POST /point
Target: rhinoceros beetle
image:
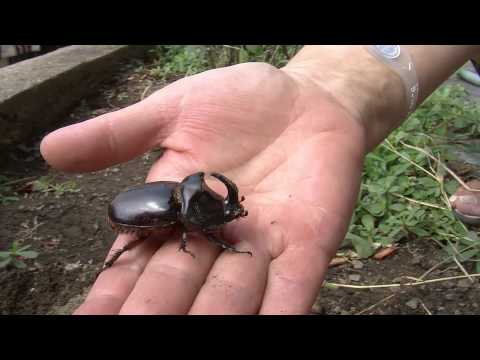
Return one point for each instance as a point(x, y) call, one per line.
point(163, 204)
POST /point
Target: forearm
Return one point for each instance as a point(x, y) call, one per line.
point(435, 63)
point(369, 90)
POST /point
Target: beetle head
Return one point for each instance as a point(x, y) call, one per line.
point(233, 207)
point(202, 207)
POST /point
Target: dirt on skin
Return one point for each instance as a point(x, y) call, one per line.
point(70, 233)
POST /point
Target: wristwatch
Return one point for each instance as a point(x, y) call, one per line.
point(398, 59)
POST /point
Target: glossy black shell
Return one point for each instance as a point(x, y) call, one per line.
point(148, 205)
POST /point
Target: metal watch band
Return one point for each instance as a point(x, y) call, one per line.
point(400, 61)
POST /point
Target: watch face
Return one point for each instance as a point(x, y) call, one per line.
point(389, 51)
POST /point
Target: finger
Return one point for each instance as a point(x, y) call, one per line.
point(468, 204)
point(114, 284)
point(294, 280)
point(172, 278)
point(236, 282)
point(234, 286)
point(296, 274)
point(114, 137)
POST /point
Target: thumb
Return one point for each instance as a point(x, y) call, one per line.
point(115, 137)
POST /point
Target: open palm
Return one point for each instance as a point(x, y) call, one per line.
point(295, 154)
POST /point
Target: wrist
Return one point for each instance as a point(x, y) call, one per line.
point(371, 92)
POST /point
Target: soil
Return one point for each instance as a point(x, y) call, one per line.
point(412, 259)
point(72, 238)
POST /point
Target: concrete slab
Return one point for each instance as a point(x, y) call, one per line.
point(37, 93)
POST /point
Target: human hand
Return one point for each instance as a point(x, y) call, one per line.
point(293, 151)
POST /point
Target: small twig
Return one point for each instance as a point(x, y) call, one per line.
point(462, 268)
point(145, 91)
point(109, 103)
point(265, 55)
point(233, 55)
point(392, 149)
point(18, 181)
point(232, 47)
point(328, 284)
point(374, 305)
point(433, 268)
point(456, 237)
point(419, 202)
point(269, 59)
point(425, 308)
point(447, 169)
point(274, 54)
point(28, 232)
point(430, 165)
point(439, 179)
point(445, 197)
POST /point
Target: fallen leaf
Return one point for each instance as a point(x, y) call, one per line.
point(338, 261)
point(385, 252)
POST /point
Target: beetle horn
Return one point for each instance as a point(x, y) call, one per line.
point(232, 196)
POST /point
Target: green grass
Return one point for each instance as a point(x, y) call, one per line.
point(179, 60)
point(46, 184)
point(6, 193)
point(16, 255)
point(405, 192)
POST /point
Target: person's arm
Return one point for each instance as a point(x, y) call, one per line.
point(370, 90)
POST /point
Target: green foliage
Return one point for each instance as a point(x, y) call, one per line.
point(180, 60)
point(6, 195)
point(399, 200)
point(177, 60)
point(16, 255)
point(45, 184)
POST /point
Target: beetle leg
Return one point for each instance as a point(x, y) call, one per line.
point(183, 244)
point(118, 252)
point(215, 239)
